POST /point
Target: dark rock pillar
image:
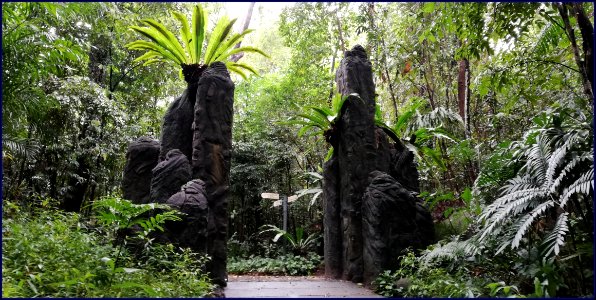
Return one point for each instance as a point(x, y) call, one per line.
point(355, 153)
point(141, 158)
point(211, 158)
point(176, 130)
point(370, 216)
point(333, 234)
point(390, 224)
point(192, 231)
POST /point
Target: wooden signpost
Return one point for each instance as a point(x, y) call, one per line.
point(283, 202)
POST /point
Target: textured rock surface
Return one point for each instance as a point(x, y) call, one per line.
point(362, 238)
point(333, 234)
point(354, 75)
point(356, 153)
point(211, 158)
point(192, 230)
point(393, 219)
point(403, 167)
point(169, 176)
point(176, 130)
point(141, 158)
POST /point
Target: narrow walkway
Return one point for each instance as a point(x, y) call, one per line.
point(293, 287)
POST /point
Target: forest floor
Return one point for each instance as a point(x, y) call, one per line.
point(256, 286)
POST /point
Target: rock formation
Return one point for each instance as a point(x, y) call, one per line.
point(369, 186)
point(192, 231)
point(194, 165)
point(141, 158)
point(169, 176)
point(211, 158)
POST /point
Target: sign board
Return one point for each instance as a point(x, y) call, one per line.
point(290, 199)
point(273, 196)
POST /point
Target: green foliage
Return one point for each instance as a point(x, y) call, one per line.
point(417, 131)
point(414, 279)
point(551, 179)
point(58, 254)
point(164, 46)
point(283, 265)
point(322, 119)
point(120, 214)
point(299, 244)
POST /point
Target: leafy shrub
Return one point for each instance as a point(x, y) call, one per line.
point(299, 244)
point(283, 265)
point(415, 279)
point(58, 254)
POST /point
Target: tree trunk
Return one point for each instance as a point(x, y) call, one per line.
point(586, 32)
point(238, 56)
point(463, 93)
point(373, 26)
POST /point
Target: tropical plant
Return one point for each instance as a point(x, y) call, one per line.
point(416, 130)
point(286, 264)
point(62, 255)
point(164, 46)
point(322, 119)
point(316, 192)
point(300, 245)
point(553, 187)
point(121, 214)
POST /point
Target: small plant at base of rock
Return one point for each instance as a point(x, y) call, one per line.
point(121, 214)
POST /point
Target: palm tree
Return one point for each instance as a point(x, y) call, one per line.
point(163, 46)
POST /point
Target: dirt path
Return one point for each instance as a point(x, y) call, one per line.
point(293, 287)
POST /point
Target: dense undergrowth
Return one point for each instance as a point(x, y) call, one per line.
point(295, 256)
point(49, 253)
point(282, 265)
point(534, 240)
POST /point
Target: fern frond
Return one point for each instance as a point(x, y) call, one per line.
point(583, 185)
point(584, 158)
point(524, 223)
point(556, 238)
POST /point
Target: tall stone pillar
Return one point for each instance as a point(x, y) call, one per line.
point(363, 239)
point(211, 158)
point(355, 152)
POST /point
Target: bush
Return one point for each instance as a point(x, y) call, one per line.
point(414, 279)
point(58, 254)
point(284, 265)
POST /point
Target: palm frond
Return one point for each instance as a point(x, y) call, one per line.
point(243, 66)
point(583, 185)
point(524, 223)
point(159, 44)
point(14, 147)
point(236, 70)
point(587, 157)
point(225, 55)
